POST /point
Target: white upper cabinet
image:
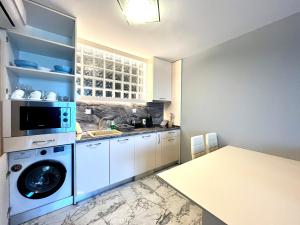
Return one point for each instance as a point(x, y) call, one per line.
point(144, 156)
point(121, 159)
point(92, 166)
point(160, 81)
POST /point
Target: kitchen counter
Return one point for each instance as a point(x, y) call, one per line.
point(85, 137)
point(241, 187)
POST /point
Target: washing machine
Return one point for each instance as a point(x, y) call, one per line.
point(39, 178)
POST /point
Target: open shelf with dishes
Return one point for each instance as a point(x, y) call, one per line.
point(40, 56)
point(47, 75)
point(29, 81)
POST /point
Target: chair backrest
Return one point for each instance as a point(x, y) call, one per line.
point(211, 142)
point(197, 146)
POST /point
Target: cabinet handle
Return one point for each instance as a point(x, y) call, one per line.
point(146, 136)
point(158, 138)
point(93, 145)
point(123, 140)
point(43, 142)
point(172, 139)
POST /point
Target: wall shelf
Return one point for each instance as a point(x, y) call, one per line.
point(48, 19)
point(27, 43)
point(40, 74)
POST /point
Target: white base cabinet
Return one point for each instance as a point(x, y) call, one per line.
point(170, 147)
point(92, 166)
point(144, 154)
point(121, 159)
point(158, 151)
point(102, 163)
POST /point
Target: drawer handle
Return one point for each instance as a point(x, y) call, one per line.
point(171, 132)
point(162, 98)
point(146, 136)
point(172, 139)
point(94, 145)
point(123, 140)
point(43, 142)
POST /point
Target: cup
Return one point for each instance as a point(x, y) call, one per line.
point(18, 94)
point(35, 95)
point(51, 96)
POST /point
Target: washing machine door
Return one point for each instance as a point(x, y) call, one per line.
point(41, 179)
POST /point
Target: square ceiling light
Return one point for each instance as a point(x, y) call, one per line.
point(140, 11)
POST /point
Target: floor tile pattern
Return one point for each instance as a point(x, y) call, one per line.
point(147, 201)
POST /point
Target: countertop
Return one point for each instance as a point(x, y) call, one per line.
point(241, 187)
point(85, 137)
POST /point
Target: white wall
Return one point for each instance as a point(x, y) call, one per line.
point(175, 106)
point(247, 90)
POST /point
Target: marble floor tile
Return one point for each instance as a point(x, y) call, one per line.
point(144, 202)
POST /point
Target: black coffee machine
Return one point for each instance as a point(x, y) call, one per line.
point(149, 121)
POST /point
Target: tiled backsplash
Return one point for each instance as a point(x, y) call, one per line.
point(117, 112)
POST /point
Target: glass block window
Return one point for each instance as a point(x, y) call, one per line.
point(104, 74)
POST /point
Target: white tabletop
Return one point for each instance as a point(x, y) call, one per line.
point(241, 187)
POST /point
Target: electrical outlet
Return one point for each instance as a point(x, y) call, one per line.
point(88, 111)
point(133, 110)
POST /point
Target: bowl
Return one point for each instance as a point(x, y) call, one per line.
point(44, 69)
point(26, 64)
point(62, 69)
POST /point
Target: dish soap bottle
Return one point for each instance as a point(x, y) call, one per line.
point(113, 125)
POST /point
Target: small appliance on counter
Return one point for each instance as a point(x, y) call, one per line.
point(136, 124)
point(149, 121)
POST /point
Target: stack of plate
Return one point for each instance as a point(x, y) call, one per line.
point(26, 64)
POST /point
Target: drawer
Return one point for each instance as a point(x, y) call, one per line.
point(93, 144)
point(170, 134)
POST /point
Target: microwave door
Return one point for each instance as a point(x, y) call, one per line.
point(34, 118)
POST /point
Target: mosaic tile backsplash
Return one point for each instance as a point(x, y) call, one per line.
point(119, 113)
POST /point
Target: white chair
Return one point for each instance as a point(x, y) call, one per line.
point(197, 146)
point(211, 142)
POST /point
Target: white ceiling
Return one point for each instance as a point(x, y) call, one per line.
point(186, 27)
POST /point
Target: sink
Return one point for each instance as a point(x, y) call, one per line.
point(100, 133)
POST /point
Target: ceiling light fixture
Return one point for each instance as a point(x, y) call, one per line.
point(140, 11)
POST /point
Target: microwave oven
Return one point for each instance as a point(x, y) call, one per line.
point(35, 118)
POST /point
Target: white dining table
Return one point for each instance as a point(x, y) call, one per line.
point(241, 187)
